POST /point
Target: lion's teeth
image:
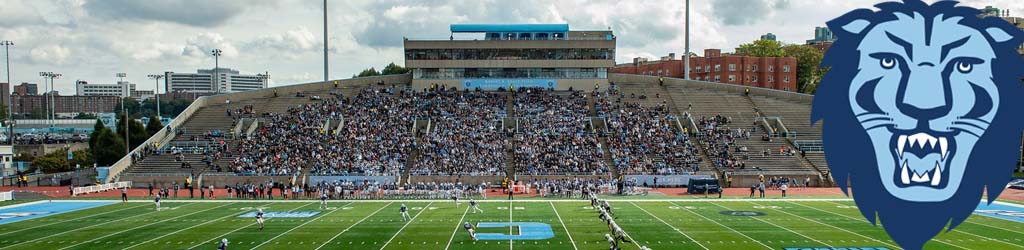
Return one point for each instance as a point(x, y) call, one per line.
point(943, 146)
point(900, 143)
point(905, 174)
point(931, 142)
point(922, 177)
point(937, 176)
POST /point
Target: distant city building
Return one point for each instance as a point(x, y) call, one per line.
point(766, 72)
point(26, 89)
point(993, 11)
point(491, 56)
point(66, 106)
point(821, 35)
point(121, 89)
point(5, 92)
point(768, 36)
point(203, 81)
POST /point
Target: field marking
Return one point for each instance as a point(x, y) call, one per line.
point(936, 240)
point(406, 225)
point(776, 225)
point(673, 227)
point(855, 219)
point(563, 225)
point(184, 229)
point(720, 224)
point(353, 225)
point(243, 227)
point(159, 221)
point(457, 228)
point(844, 230)
point(75, 219)
point(975, 235)
point(300, 225)
point(510, 206)
point(77, 229)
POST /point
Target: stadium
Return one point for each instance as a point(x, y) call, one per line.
point(523, 139)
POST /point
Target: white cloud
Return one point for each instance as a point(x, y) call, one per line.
point(199, 48)
point(52, 53)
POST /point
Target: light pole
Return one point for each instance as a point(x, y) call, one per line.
point(46, 95)
point(53, 100)
point(686, 67)
point(156, 92)
point(216, 69)
point(49, 95)
point(10, 108)
point(325, 42)
point(127, 144)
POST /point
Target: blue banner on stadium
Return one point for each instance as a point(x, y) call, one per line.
point(495, 83)
point(666, 180)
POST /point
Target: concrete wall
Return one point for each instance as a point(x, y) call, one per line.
point(43, 149)
point(779, 94)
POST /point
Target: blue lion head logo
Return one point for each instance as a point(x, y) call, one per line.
point(922, 112)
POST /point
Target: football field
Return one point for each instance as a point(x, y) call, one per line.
point(527, 224)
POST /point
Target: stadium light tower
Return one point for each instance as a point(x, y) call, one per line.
point(325, 42)
point(10, 87)
point(156, 92)
point(686, 62)
point(216, 69)
point(127, 151)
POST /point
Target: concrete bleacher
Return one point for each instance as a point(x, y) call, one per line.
point(795, 116)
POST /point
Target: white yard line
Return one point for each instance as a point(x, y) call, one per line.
point(826, 224)
point(510, 243)
point(243, 227)
point(720, 224)
point(457, 225)
point(563, 225)
point(776, 225)
point(425, 208)
point(77, 229)
point(353, 225)
point(150, 224)
point(975, 235)
point(186, 229)
point(90, 216)
point(300, 225)
point(673, 227)
point(856, 219)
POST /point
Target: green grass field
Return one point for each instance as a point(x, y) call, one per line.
point(689, 224)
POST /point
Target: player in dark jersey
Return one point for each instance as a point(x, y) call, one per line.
point(259, 218)
point(323, 200)
point(469, 228)
point(612, 243)
point(475, 206)
point(223, 244)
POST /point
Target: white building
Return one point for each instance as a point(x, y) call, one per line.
point(203, 81)
point(122, 89)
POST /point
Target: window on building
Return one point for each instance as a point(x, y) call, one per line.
point(785, 79)
point(771, 78)
point(771, 68)
point(732, 78)
point(755, 78)
point(755, 67)
point(718, 78)
point(732, 67)
point(699, 68)
point(785, 68)
point(718, 67)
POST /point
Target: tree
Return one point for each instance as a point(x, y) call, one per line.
point(393, 69)
point(368, 72)
point(137, 133)
point(762, 48)
point(808, 66)
point(52, 162)
point(110, 148)
point(154, 125)
point(96, 129)
point(82, 158)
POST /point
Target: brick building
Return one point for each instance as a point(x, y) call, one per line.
point(766, 72)
point(66, 105)
point(26, 89)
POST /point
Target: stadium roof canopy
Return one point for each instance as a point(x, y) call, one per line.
point(506, 28)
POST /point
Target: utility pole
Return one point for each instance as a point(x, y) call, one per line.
point(325, 43)
point(10, 93)
point(216, 69)
point(686, 62)
point(156, 92)
point(127, 144)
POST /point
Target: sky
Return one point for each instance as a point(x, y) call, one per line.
point(93, 40)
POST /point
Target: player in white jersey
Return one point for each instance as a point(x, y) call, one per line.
point(475, 206)
point(259, 218)
point(157, 202)
point(323, 200)
point(405, 212)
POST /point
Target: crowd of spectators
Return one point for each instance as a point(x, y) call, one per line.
point(554, 136)
point(466, 133)
point(646, 140)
